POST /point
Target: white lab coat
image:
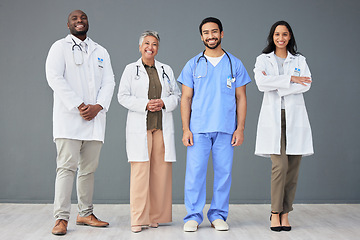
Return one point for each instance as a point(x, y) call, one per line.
point(133, 95)
point(274, 86)
point(91, 82)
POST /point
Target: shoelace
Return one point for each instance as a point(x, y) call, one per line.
point(61, 220)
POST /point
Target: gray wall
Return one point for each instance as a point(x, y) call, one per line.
point(326, 33)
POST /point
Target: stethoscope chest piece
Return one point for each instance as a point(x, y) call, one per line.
point(137, 77)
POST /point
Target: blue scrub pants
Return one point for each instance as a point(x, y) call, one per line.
point(195, 178)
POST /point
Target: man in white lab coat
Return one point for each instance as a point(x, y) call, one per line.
point(79, 72)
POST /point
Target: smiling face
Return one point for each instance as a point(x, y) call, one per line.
point(149, 49)
point(211, 35)
point(281, 37)
point(78, 24)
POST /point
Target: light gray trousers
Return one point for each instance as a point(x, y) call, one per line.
point(83, 157)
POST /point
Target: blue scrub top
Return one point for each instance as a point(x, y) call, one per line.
point(213, 107)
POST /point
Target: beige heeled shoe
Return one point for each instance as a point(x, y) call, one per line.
point(154, 225)
point(136, 228)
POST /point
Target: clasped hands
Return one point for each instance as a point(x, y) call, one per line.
point(155, 105)
point(89, 111)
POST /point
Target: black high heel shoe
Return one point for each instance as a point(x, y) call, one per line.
point(278, 228)
point(285, 228)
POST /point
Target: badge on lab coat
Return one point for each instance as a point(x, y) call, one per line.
point(100, 62)
point(297, 72)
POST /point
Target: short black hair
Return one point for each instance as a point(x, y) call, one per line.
point(210, 19)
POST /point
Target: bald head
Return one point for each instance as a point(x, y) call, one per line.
point(75, 12)
point(78, 24)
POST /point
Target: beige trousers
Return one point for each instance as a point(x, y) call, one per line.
point(73, 155)
point(151, 185)
point(284, 175)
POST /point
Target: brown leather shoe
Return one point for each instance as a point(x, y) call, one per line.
point(91, 220)
point(60, 227)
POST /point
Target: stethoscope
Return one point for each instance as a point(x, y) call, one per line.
point(78, 58)
point(203, 56)
point(76, 45)
point(164, 74)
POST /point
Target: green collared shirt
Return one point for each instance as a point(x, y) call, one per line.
point(154, 119)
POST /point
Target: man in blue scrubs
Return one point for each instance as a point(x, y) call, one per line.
point(213, 112)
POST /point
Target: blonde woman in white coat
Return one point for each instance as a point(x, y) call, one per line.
point(284, 132)
point(149, 90)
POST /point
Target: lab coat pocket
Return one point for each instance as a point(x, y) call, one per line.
point(266, 116)
point(167, 122)
point(302, 119)
point(136, 122)
point(99, 72)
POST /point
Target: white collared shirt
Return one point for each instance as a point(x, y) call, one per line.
point(83, 44)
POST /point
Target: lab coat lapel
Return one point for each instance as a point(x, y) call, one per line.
point(287, 62)
point(159, 71)
point(142, 69)
point(68, 39)
point(91, 46)
point(273, 61)
point(143, 76)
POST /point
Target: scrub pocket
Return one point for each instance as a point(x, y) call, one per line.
point(228, 88)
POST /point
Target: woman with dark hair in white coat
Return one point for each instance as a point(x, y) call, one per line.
point(283, 132)
point(150, 92)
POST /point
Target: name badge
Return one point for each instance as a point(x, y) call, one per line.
point(100, 62)
point(229, 81)
point(297, 72)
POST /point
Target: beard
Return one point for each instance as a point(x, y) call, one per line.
point(74, 32)
point(78, 33)
point(212, 47)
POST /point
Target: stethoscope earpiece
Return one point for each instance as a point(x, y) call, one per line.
point(164, 74)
